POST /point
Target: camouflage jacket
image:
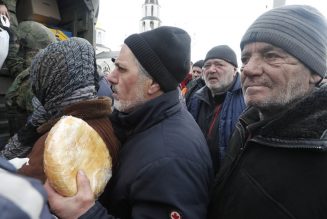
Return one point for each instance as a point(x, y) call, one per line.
point(19, 95)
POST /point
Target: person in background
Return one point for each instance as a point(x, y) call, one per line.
point(8, 8)
point(275, 166)
point(104, 84)
point(162, 172)
point(184, 83)
point(197, 70)
point(197, 81)
point(18, 99)
point(217, 106)
point(4, 38)
point(20, 197)
point(3, 9)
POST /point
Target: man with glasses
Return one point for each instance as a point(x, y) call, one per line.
point(216, 107)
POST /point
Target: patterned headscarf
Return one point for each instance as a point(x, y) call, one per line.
point(61, 74)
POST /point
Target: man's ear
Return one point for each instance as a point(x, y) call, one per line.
point(154, 88)
point(235, 71)
point(314, 78)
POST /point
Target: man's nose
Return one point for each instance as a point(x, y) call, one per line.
point(210, 69)
point(113, 77)
point(253, 66)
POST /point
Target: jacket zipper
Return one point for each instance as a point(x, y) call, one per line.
point(305, 147)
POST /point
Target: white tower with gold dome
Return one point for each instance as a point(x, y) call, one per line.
point(150, 18)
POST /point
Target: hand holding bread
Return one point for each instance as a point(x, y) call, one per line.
point(73, 145)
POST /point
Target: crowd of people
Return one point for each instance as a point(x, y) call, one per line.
point(245, 141)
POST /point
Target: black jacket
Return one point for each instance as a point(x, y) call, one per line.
point(276, 168)
point(164, 164)
point(196, 85)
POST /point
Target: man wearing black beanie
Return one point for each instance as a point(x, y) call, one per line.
point(162, 172)
point(275, 167)
point(196, 83)
point(217, 106)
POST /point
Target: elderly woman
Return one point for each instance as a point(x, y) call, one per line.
point(64, 81)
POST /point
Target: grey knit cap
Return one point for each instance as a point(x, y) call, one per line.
point(300, 30)
point(223, 52)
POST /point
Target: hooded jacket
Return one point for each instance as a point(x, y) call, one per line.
point(276, 168)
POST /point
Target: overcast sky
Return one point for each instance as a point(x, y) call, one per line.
point(209, 22)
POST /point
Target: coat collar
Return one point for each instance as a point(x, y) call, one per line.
point(86, 109)
point(204, 93)
point(147, 115)
point(306, 119)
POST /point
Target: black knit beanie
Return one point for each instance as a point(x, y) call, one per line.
point(223, 52)
point(300, 30)
point(198, 64)
point(164, 53)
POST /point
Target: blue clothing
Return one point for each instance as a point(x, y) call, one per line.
point(21, 197)
point(164, 164)
point(202, 107)
point(104, 88)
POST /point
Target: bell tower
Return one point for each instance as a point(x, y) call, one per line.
point(150, 18)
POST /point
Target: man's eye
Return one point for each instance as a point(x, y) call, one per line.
point(218, 64)
point(206, 66)
point(119, 68)
point(244, 59)
point(271, 55)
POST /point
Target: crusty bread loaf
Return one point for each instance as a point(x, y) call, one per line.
point(73, 145)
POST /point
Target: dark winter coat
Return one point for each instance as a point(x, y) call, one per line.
point(276, 168)
point(164, 165)
point(196, 85)
point(202, 108)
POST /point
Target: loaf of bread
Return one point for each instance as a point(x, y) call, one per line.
point(73, 145)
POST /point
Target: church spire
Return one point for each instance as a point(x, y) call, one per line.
point(150, 18)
